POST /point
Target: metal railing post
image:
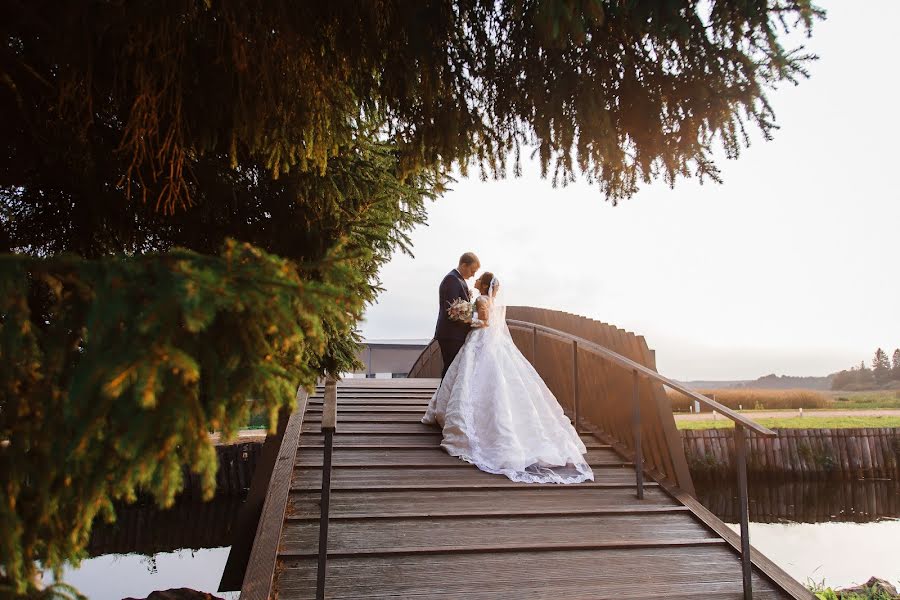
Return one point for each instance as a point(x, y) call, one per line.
point(740, 437)
point(329, 424)
point(636, 427)
point(575, 383)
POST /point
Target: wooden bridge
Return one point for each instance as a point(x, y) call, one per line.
point(359, 500)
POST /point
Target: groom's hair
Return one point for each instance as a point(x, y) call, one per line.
point(469, 258)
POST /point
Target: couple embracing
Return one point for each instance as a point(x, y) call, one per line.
point(493, 407)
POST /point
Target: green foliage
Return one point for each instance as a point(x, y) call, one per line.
point(341, 227)
point(881, 366)
point(160, 329)
point(895, 365)
point(132, 361)
point(620, 92)
point(874, 592)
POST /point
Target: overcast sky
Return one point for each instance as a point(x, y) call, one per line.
point(790, 266)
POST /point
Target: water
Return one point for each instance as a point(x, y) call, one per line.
point(839, 533)
point(116, 576)
point(148, 549)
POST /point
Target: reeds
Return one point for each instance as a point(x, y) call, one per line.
point(754, 399)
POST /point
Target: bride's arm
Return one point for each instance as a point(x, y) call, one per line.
point(483, 313)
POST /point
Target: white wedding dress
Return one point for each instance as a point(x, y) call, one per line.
point(498, 414)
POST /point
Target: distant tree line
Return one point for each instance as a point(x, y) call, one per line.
point(884, 372)
point(787, 382)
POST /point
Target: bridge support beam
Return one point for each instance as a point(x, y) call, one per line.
point(740, 447)
point(636, 428)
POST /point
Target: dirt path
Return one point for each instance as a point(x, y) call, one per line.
point(765, 414)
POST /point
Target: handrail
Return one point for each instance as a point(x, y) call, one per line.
point(634, 366)
point(329, 406)
point(329, 425)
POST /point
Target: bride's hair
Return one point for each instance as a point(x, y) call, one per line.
point(485, 282)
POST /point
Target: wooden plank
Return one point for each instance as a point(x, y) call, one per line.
point(774, 465)
point(425, 395)
point(494, 534)
point(474, 548)
point(413, 428)
point(790, 452)
point(521, 500)
point(345, 440)
point(651, 427)
point(386, 401)
point(392, 384)
point(866, 451)
point(890, 443)
point(371, 417)
point(416, 457)
point(345, 409)
point(260, 572)
point(425, 478)
point(703, 572)
point(854, 454)
point(430, 439)
point(878, 458)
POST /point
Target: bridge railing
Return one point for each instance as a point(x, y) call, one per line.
point(609, 385)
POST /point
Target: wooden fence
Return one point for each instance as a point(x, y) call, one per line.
point(191, 523)
point(798, 454)
point(236, 465)
point(145, 529)
point(602, 390)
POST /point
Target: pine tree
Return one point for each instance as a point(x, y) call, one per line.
point(639, 89)
point(864, 377)
point(881, 367)
point(895, 368)
point(178, 176)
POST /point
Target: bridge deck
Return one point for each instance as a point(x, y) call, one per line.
point(409, 521)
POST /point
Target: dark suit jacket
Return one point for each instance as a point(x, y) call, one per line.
point(452, 287)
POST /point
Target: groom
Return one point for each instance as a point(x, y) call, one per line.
point(451, 335)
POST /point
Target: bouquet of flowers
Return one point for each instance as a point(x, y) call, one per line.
point(461, 310)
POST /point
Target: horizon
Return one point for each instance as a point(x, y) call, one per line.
point(419, 341)
point(773, 271)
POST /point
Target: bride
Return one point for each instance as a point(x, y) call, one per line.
point(495, 410)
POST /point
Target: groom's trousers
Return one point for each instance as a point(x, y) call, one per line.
point(449, 349)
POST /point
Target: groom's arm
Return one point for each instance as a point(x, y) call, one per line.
point(447, 292)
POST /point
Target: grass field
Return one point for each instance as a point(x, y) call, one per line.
point(798, 423)
point(881, 399)
point(754, 399)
